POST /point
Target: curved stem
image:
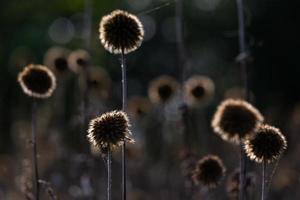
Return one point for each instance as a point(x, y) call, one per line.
point(124, 107)
point(34, 150)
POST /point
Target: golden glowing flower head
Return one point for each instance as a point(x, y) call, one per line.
point(109, 130)
point(198, 90)
point(235, 120)
point(37, 81)
point(266, 145)
point(120, 32)
point(57, 59)
point(162, 89)
point(209, 171)
point(78, 60)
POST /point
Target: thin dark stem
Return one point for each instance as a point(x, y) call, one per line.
point(242, 194)
point(34, 150)
point(109, 174)
point(263, 181)
point(244, 71)
point(124, 107)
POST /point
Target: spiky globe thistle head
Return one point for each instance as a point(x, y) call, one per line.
point(37, 81)
point(209, 171)
point(198, 90)
point(57, 59)
point(109, 130)
point(233, 183)
point(266, 145)
point(78, 60)
point(162, 89)
point(121, 32)
point(235, 120)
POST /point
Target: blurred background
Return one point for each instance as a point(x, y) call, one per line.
point(36, 31)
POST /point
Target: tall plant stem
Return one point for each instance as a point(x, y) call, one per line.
point(244, 71)
point(109, 174)
point(34, 151)
point(124, 107)
point(242, 194)
point(263, 180)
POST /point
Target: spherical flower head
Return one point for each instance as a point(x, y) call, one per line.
point(162, 89)
point(121, 32)
point(236, 120)
point(266, 145)
point(109, 130)
point(209, 171)
point(57, 59)
point(198, 90)
point(78, 60)
point(37, 81)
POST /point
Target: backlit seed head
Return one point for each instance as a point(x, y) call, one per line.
point(266, 145)
point(57, 59)
point(78, 60)
point(37, 81)
point(109, 130)
point(209, 171)
point(236, 120)
point(198, 90)
point(162, 89)
point(120, 32)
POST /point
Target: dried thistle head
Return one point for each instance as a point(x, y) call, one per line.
point(266, 145)
point(138, 106)
point(78, 60)
point(162, 89)
point(120, 32)
point(233, 183)
point(198, 90)
point(57, 59)
point(209, 171)
point(235, 120)
point(109, 130)
point(37, 81)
